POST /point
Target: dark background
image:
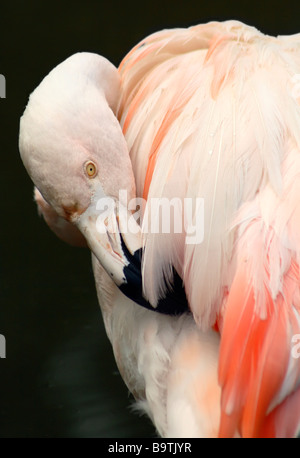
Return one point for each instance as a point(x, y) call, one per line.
point(59, 378)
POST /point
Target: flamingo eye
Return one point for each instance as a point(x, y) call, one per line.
point(90, 169)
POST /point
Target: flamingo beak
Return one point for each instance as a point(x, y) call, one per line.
point(114, 237)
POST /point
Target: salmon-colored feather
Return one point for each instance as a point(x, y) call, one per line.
point(210, 112)
point(254, 356)
point(167, 121)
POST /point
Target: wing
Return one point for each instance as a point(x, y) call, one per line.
point(259, 363)
point(211, 113)
point(259, 368)
point(201, 122)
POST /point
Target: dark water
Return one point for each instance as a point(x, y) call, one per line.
point(59, 378)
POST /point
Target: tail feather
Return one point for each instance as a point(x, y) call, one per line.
point(258, 372)
point(255, 356)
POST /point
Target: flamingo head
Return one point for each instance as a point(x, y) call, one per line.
point(72, 146)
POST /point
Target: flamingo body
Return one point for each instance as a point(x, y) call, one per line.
point(212, 111)
point(209, 112)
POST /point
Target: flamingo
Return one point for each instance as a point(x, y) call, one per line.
point(203, 333)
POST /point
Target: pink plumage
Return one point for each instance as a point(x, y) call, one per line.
point(210, 112)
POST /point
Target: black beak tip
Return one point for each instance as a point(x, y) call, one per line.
point(173, 303)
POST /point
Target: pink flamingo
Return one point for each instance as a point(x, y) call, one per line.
point(208, 112)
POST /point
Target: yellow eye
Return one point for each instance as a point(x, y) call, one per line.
point(91, 169)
